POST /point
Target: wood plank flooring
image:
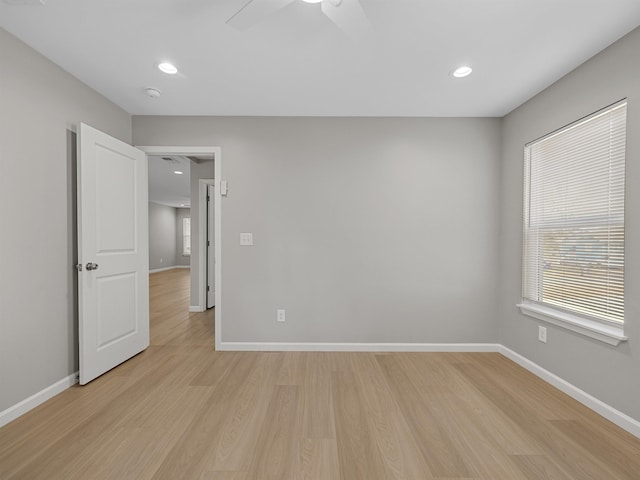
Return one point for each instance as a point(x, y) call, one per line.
point(180, 410)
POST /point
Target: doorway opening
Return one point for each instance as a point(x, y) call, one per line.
point(204, 219)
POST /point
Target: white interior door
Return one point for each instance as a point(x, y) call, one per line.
point(113, 276)
point(211, 258)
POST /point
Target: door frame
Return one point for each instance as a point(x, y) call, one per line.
point(202, 239)
point(217, 174)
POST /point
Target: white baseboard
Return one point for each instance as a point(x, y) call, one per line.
point(36, 399)
point(196, 308)
point(358, 347)
point(623, 420)
point(164, 269)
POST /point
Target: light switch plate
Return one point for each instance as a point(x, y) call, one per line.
point(246, 239)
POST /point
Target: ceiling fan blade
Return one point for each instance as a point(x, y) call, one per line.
point(255, 11)
point(349, 16)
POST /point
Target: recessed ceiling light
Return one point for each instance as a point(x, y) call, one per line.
point(178, 172)
point(461, 72)
point(168, 68)
point(312, 1)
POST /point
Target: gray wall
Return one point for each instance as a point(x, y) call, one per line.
point(180, 258)
point(41, 108)
point(162, 236)
point(608, 373)
point(365, 230)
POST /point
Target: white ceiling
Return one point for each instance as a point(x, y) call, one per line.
point(297, 62)
point(165, 186)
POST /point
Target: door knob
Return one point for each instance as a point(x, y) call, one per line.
point(92, 266)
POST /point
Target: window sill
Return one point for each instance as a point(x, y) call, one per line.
point(610, 334)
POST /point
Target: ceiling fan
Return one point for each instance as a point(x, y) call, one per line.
point(348, 15)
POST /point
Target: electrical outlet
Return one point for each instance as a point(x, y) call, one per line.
point(161, 260)
point(280, 317)
point(542, 334)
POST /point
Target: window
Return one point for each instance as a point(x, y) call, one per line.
point(186, 236)
point(573, 253)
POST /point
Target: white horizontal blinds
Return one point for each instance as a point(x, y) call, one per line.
point(186, 236)
point(574, 217)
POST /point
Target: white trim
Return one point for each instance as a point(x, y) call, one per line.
point(623, 420)
point(610, 334)
point(164, 269)
point(357, 347)
point(196, 308)
point(173, 150)
point(36, 399)
point(217, 235)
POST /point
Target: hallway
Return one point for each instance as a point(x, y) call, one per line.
point(171, 322)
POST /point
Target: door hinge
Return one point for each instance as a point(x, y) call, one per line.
point(208, 243)
point(208, 288)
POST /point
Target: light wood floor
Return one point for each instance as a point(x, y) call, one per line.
point(180, 410)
